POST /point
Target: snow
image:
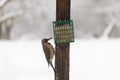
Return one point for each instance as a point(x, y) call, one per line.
point(89, 60)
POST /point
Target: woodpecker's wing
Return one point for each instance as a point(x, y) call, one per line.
point(49, 52)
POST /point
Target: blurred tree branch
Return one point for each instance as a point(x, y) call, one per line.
point(10, 15)
point(3, 2)
point(6, 19)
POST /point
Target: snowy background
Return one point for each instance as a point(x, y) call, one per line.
point(89, 60)
point(25, 22)
point(33, 18)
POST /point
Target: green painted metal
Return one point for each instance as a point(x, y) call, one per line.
point(63, 31)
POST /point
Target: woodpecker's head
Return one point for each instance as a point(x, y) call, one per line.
point(45, 40)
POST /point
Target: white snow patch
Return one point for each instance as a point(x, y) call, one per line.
point(89, 60)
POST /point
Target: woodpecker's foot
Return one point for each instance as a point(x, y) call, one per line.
point(55, 70)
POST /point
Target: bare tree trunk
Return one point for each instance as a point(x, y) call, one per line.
point(0, 32)
point(8, 31)
point(6, 20)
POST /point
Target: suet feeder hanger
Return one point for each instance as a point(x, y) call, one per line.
point(63, 31)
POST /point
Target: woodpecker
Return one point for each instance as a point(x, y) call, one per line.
point(48, 51)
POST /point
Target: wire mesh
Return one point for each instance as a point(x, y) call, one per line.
point(63, 31)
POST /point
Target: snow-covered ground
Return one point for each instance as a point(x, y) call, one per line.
point(89, 60)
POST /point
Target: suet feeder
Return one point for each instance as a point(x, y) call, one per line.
point(63, 31)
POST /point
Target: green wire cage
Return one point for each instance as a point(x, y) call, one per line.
point(63, 31)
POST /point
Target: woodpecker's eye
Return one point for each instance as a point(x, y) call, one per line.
point(46, 40)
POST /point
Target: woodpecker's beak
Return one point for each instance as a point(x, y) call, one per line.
point(49, 38)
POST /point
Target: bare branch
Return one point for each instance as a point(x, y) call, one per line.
point(109, 29)
point(10, 15)
point(2, 2)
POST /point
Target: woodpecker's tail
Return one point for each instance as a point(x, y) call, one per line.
point(52, 67)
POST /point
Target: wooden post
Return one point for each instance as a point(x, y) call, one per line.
point(62, 50)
